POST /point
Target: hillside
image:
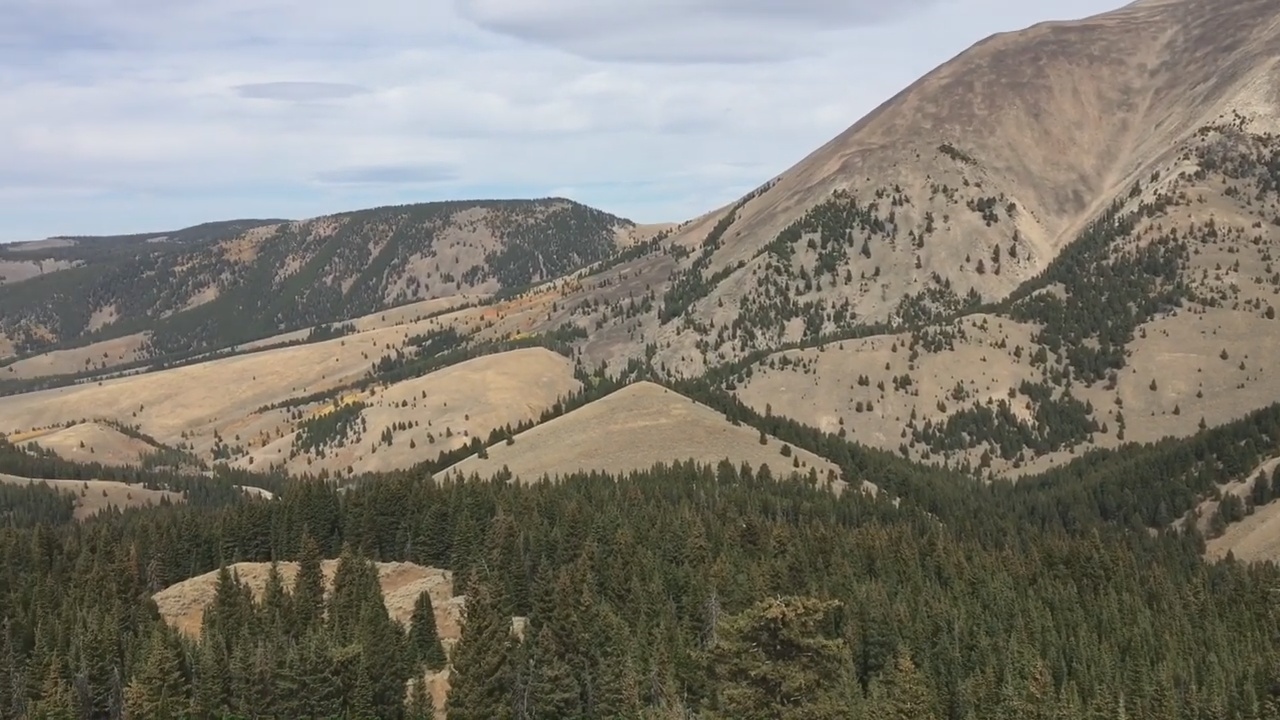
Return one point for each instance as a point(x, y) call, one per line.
point(94, 496)
point(963, 186)
point(321, 406)
point(1062, 239)
point(23, 260)
point(1158, 321)
point(208, 291)
point(182, 604)
point(633, 429)
point(1029, 308)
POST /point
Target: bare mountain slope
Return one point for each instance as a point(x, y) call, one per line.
point(973, 178)
point(277, 277)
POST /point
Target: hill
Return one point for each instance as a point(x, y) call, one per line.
point(238, 284)
point(1066, 232)
point(23, 260)
point(182, 604)
point(633, 429)
point(306, 408)
point(94, 496)
point(944, 280)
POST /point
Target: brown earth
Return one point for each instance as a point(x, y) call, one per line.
point(182, 605)
point(1059, 119)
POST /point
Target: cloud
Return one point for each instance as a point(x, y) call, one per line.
point(299, 91)
point(419, 174)
point(138, 114)
point(679, 31)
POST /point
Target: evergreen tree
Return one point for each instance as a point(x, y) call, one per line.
point(424, 641)
point(784, 658)
point(482, 677)
point(902, 693)
point(421, 707)
point(158, 690)
point(552, 690)
point(308, 588)
point(209, 693)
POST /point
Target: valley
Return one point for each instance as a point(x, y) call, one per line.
point(978, 399)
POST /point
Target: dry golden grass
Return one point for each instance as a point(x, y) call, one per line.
point(633, 429)
point(97, 356)
point(182, 605)
point(449, 407)
point(1060, 119)
point(93, 496)
point(1254, 539)
point(12, 271)
point(88, 442)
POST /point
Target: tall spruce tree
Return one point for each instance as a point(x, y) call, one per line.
point(424, 640)
point(307, 600)
point(784, 658)
point(482, 678)
point(159, 689)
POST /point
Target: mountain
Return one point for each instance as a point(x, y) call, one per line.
point(971, 180)
point(209, 287)
point(1052, 379)
point(23, 260)
point(1062, 239)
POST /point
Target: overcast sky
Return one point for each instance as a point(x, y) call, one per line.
point(141, 115)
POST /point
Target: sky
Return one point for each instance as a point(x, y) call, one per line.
point(145, 115)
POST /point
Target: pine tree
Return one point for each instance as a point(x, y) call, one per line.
point(275, 602)
point(209, 679)
point(424, 640)
point(158, 689)
point(902, 693)
point(355, 583)
point(420, 706)
point(784, 658)
point(552, 691)
point(482, 676)
point(56, 701)
point(617, 693)
point(308, 588)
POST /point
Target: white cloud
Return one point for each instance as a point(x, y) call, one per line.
point(141, 114)
point(679, 31)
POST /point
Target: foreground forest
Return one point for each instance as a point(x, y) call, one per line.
point(681, 592)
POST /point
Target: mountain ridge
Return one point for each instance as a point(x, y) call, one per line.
point(1007, 243)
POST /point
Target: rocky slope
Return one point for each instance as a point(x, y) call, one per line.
point(208, 291)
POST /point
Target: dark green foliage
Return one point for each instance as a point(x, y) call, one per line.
point(1106, 294)
point(24, 505)
point(653, 593)
point(955, 154)
point(483, 665)
point(1058, 422)
point(333, 428)
point(785, 658)
point(424, 641)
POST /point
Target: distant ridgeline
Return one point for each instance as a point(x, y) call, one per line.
point(209, 291)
